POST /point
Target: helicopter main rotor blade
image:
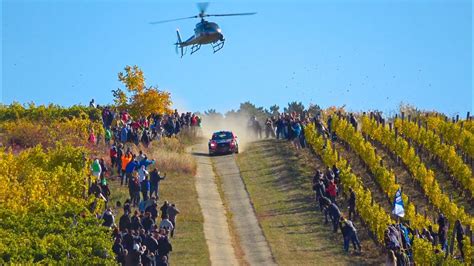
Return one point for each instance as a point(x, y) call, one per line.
point(202, 7)
point(227, 15)
point(169, 20)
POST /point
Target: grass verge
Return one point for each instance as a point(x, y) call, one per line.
point(278, 180)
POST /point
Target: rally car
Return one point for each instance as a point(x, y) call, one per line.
point(223, 142)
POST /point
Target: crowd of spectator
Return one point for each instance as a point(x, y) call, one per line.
point(121, 127)
point(398, 237)
point(142, 235)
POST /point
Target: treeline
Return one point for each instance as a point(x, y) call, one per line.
point(261, 113)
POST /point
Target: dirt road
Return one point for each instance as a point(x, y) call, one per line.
point(252, 241)
point(216, 229)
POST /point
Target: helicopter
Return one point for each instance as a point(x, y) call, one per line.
point(206, 32)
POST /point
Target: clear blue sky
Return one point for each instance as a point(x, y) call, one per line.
point(365, 54)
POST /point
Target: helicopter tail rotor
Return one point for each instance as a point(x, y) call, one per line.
point(178, 43)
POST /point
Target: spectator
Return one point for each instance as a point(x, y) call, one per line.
point(334, 213)
point(166, 223)
point(443, 232)
point(349, 233)
point(164, 245)
point(145, 188)
point(126, 159)
point(172, 213)
point(164, 209)
point(155, 179)
point(95, 168)
point(125, 221)
point(352, 204)
point(108, 217)
point(332, 191)
point(459, 235)
point(391, 259)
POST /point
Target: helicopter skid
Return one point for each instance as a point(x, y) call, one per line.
point(195, 48)
point(217, 46)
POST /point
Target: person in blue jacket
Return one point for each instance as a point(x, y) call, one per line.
point(131, 166)
point(124, 134)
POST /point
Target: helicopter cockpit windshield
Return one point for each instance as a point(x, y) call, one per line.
point(205, 26)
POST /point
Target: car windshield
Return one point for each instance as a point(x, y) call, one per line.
point(222, 135)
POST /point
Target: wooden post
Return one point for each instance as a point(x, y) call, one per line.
point(457, 118)
point(403, 115)
point(468, 115)
point(396, 116)
point(390, 126)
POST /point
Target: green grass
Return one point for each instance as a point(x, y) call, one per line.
point(189, 244)
point(279, 183)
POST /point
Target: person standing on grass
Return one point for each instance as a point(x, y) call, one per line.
point(333, 211)
point(166, 223)
point(125, 221)
point(332, 191)
point(164, 246)
point(130, 168)
point(134, 189)
point(459, 235)
point(95, 168)
point(103, 168)
point(164, 209)
point(172, 213)
point(352, 203)
point(105, 190)
point(142, 173)
point(107, 136)
point(126, 159)
point(155, 179)
point(145, 188)
point(113, 156)
point(349, 234)
point(120, 153)
point(443, 231)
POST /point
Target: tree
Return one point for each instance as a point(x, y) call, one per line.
point(274, 109)
point(143, 100)
point(296, 107)
point(250, 109)
point(213, 113)
point(150, 100)
point(133, 79)
point(120, 99)
point(314, 110)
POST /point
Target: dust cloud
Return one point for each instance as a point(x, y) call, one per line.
point(235, 123)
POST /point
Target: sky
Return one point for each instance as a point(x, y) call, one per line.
point(362, 54)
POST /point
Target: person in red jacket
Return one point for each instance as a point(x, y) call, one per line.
point(113, 156)
point(332, 191)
